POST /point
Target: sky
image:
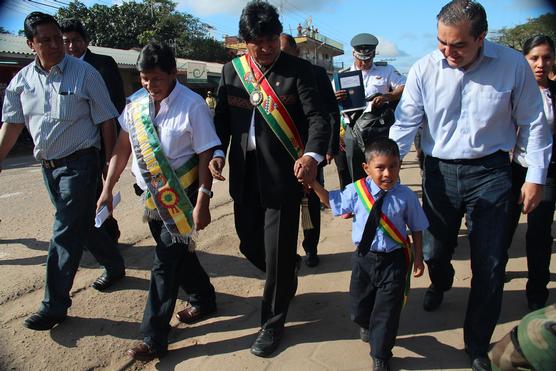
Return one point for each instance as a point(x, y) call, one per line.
point(406, 29)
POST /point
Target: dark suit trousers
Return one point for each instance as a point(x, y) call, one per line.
point(538, 238)
point(376, 291)
point(268, 239)
point(173, 266)
point(355, 157)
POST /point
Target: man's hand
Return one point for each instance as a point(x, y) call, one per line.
point(381, 100)
point(531, 195)
point(105, 199)
point(201, 216)
point(329, 158)
point(305, 169)
point(216, 165)
point(341, 95)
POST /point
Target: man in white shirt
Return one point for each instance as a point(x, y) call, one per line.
point(470, 96)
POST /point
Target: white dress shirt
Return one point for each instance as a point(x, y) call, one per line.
point(473, 113)
point(184, 126)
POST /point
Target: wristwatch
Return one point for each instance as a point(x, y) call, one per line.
point(206, 191)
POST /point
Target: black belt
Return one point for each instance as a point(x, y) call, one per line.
point(53, 164)
point(473, 161)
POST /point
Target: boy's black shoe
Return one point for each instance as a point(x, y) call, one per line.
point(481, 364)
point(266, 342)
point(42, 321)
point(380, 365)
point(433, 299)
point(364, 334)
point(312, 260)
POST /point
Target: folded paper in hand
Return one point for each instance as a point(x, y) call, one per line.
point(103, 213)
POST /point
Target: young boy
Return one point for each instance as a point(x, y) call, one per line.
point(380, 267)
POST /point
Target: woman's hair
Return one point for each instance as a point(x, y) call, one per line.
point(535, 41)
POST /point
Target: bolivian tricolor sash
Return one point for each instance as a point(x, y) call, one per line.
point(389, 229)
point(270, 107)
point(165, 198)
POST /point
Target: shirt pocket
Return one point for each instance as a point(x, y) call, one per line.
point(69, 107)
point(492, 104)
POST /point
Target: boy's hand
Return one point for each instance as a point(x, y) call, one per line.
point(418, 267)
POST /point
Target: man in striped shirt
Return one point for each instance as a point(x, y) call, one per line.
point(64, 104)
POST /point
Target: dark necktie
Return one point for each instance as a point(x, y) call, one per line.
point(372, 224)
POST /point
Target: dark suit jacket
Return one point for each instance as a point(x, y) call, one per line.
point(108, 69)
point(292, 80)
point(328, 97)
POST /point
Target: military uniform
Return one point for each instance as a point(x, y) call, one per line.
point(529, 346)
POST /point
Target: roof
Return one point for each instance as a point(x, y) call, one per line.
point(17, 45)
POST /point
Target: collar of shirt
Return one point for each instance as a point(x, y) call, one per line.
point(59, 67)
point(167, 102)
point(375, 189)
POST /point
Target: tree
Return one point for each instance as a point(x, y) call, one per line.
point(133, 24)
point(3, 30)
point(515, 37)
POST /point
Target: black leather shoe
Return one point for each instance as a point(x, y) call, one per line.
point(380, 365)
point(266, 342)
point(481, 364)
point(433, 299)
point(42, 321)
point(312, 260)
point(106, 280)
point(364, 334)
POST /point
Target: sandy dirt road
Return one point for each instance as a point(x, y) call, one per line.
point(319, 336)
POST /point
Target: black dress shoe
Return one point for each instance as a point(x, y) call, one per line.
point(106, 280)
point(266, 342)
point(42, 321)
point(380, 365)
point(433, 299)
point(481, 364)
point(364, 334)
point(144, 352)
point(312, 260)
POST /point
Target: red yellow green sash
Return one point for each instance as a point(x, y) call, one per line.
point(389, 229)
point(271, 108)
point(165, 198)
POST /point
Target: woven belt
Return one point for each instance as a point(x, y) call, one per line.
point(53, 164)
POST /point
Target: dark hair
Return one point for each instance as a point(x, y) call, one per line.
point(291, 40)
point(259, 19)
point(535, 41)
point(35, 19)
point(156, 55)
point(382, 147)
point(74, 25)
point(457, 11)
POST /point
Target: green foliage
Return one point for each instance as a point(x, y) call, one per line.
point(134, 24)
point(514, 37)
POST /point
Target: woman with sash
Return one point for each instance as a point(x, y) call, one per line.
point(169, 130)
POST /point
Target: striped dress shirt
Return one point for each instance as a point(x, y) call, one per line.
point(61, 108)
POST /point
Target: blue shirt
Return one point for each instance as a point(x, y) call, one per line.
point(61, 108)
point(473, 113)
point(401, 206)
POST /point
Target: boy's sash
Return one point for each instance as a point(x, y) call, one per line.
point(270, 106)
point(389, 229)
point(165, 198)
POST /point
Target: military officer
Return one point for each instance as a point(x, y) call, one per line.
point(378, 77)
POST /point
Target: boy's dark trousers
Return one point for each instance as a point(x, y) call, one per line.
point(376, 291)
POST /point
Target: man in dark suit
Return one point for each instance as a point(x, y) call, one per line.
point(265, 172)
point(324, 87)
point(76, 42)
